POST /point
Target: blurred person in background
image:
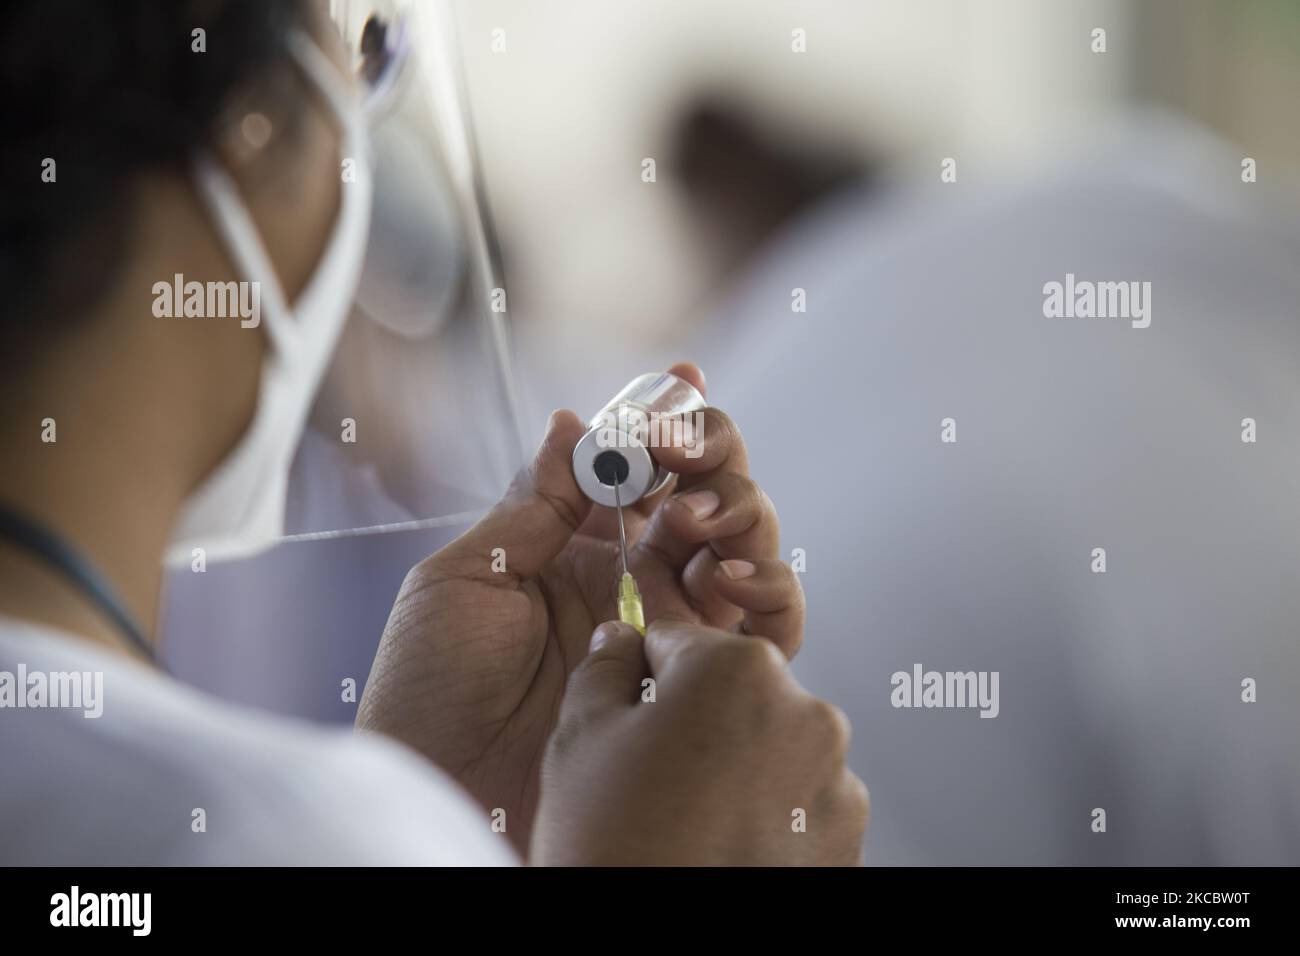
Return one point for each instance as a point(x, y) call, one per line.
point(1104, 511)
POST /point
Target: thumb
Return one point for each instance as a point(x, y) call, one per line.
point(609, 677)
point(536, 518)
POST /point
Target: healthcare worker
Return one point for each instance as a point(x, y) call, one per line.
point(134, 157)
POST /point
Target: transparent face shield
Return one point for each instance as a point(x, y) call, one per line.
point(416, 424)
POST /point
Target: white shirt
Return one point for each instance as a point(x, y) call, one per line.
point(131, 786)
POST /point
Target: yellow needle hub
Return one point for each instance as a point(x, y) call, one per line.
point(629, 603)
point(630, 610)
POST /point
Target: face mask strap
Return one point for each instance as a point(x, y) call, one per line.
point(229, 213)
point(244, 243)
point(324, 75)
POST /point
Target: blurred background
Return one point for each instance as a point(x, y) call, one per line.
point(746, 133)
point(798, 145)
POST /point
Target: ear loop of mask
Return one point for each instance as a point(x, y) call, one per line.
point(235, 224)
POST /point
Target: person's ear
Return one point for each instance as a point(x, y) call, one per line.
point(280, 144)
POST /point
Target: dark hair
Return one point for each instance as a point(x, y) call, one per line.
point(109, 91)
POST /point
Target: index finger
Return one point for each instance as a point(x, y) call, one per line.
point(692, 373)
point(701, 442)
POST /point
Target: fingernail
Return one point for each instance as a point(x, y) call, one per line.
point(602, 635)
point(735, 569)
point(701, 503)
point(552, 420)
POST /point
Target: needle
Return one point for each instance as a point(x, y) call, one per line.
point(630, 610)
point(622, 534)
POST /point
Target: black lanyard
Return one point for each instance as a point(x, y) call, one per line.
point(57, 553)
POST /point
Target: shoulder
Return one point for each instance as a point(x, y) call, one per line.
point(167, 775)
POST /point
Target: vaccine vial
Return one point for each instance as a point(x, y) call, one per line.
point(616, 450)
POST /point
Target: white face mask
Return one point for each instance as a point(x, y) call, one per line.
point(238, 510)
